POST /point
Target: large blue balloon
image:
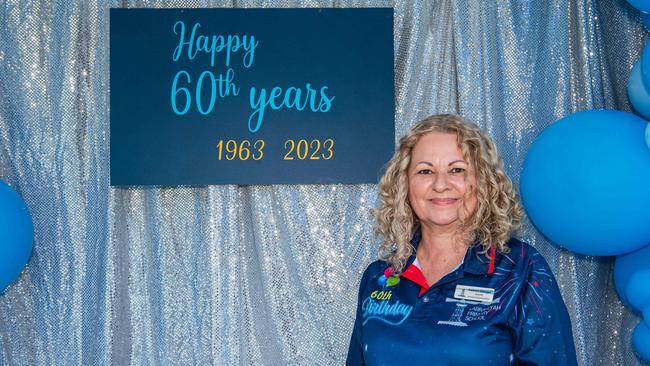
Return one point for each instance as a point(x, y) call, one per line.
point(627, 265)
point(637, 92)
point(585, 183)
point(641, 340)
point(16, 235)
point(642, 5)
point(645, 66)
point(638, 290)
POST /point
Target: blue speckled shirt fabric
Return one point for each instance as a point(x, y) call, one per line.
point(525, 322)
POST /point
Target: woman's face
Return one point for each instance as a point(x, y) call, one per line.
point(440, 181)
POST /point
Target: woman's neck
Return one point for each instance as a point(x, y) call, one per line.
point(442, 239)
point(440, 251)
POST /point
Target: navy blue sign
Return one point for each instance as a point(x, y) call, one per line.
point(250, 96)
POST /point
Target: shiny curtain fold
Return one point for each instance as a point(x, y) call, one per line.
point(268, 274)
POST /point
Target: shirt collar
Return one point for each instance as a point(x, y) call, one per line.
point(474, 262)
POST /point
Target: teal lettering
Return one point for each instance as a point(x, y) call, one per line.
point(290, 98)
point(213, 44)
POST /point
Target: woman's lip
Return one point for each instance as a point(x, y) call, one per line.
point(443, 201)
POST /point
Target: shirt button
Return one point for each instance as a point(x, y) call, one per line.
point(425, 299)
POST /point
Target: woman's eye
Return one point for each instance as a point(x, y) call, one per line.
point(424, 171)
point(457, 170)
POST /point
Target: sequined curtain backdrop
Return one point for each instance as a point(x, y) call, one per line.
point(267, 275)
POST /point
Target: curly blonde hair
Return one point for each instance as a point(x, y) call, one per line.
point(498, 211)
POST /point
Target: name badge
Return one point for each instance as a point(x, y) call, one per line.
point(482, 294)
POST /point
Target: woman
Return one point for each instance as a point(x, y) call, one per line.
point(452, 287)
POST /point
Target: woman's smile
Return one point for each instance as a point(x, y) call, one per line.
point(443, 201)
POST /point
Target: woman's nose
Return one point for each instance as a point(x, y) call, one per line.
point(440, 183)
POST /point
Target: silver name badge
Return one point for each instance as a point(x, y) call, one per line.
point(482, 294)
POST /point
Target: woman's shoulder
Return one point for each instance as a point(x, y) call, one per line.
point(375, 269)
point(523, 254)
point(521, 248)
point(372, 273)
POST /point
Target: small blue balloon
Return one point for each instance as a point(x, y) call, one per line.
point(638, 289)
point(637, 92)
point(641, 5)
point(585, 183)
point(381, 280)
point(641, 340)
point(647, 135)
point(16, 235)
point(627, 265)
point(645, 66)
point(646, 315)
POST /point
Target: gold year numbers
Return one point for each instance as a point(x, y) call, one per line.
point(308, 150)
point(240, 150)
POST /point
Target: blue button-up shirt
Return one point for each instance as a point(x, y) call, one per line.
point(510, 313)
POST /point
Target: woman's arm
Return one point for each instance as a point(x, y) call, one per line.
point(540, 323)
point(355, 350)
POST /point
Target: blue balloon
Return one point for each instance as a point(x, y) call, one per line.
point(627, 265)
point(642, 5)
point(637, 92)
point(645, 66)
point(641, 340)
point(585, 183)
point(646, 315)
point(638, 289)
point(16, 235)
point(647, 135)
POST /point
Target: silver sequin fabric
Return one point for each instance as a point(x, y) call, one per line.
point(268, 275)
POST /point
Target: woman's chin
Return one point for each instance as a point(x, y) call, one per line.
point(441, 223)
